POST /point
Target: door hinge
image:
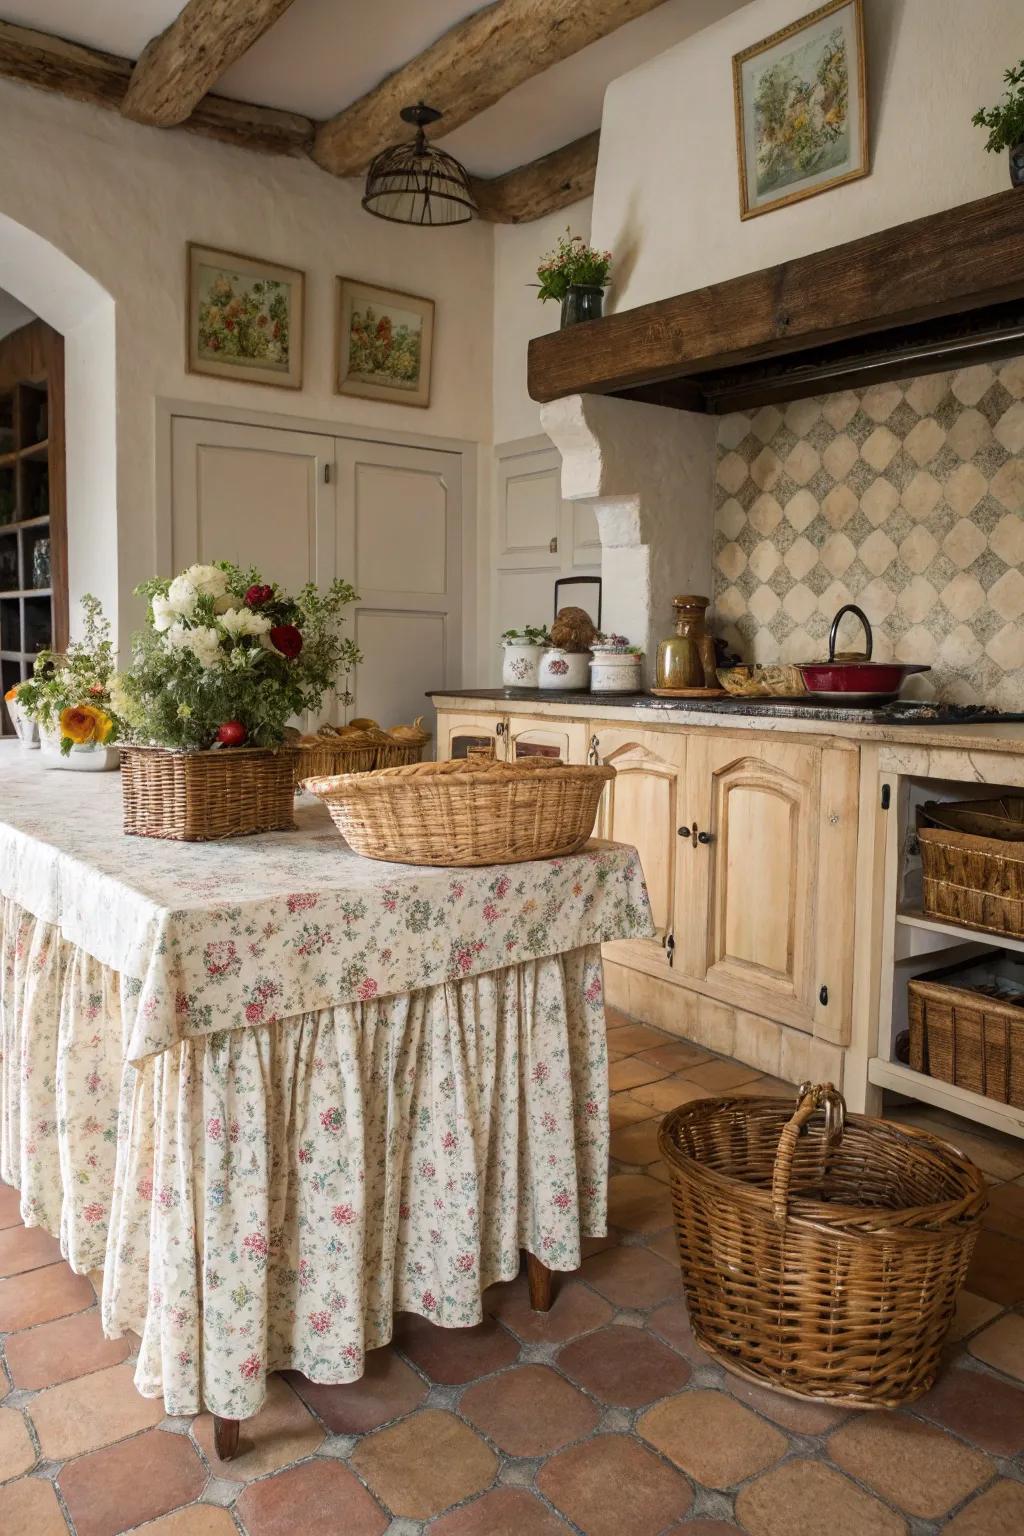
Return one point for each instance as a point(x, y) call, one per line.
point(327, 474)
point(886, 797)
point(670, 948)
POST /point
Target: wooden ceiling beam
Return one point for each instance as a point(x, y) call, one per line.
point(178, 67)
point(101, 79)
point(543, 186)
point(469, 67)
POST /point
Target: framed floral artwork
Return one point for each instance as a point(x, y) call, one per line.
point(244, 318)
point(384, 343)
point(801, 109)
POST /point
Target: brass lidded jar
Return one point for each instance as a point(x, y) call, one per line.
point(686, 658)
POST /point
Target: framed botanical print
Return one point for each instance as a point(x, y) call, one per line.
point(244, 318)
point(801, 109)
point(384, 343)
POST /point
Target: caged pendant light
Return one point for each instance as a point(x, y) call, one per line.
point(415, 183)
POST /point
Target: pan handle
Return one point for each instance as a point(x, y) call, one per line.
point(579, 581)
point(833, 633)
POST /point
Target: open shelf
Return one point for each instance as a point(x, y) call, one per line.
point(958, 1101)
point(956, 934)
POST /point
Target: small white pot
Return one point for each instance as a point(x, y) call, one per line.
point(26, 730)
point(567, 671)
point(615, 672)
point(90, 757)
point(519, 664)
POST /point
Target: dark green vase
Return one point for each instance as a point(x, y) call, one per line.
point(581, 302)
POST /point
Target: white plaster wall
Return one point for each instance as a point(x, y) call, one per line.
point(666, 199)
point(122, 200)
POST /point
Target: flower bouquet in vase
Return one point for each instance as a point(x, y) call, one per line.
point(69, 698)
point(225, 660)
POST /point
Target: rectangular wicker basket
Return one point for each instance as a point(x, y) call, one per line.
point(967, 1026)
point(202, 796)
point(972, 858)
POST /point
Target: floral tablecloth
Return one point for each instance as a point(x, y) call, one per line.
point(271, 1159)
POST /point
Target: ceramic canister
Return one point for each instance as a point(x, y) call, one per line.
point(615, 672)
point(568, 671)
point(519, 664)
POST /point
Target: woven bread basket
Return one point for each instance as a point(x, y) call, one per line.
point(466, 811)
point(819, 1261)
point(197, 797)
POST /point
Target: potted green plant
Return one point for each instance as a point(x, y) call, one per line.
point(521, 653)
point(70, 698)
point(576, 274)
point(225, 660)
point(616, 665)
point(1005, 123)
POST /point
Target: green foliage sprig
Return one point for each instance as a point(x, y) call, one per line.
point(530, 634)
point(1005, 121)
point(572, 263)
point(83, 674)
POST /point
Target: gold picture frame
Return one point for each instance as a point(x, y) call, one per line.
point(245, 318)
point(384, 343)
point(801, 111)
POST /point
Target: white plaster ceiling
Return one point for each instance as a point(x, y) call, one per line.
point(323, 54)
point(12, 313)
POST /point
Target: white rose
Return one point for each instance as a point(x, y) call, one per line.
point(181, 597)
point(164, 614)
point(207, 580)
point(204, 643)
point(242, 621)
point(177, 637)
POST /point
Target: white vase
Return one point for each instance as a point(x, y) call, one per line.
point(90, 757)
point(519, 664)
point(615, 672)
point(565, 671)
point(26, 730)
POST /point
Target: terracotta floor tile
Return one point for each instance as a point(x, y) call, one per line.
point(979, 1407)
point(665, 1245)
point(627, 1367)
point(529, 1411)
point(123, 1485)
point(764, 1088)
point(41, 1295)
point(576, 1310)
point(720, 1076)
point(194, 1520)
point(611, 1485)
point(16, 1451)
point(284, 1430)
point(425, 1464)
point(61, 1350)
point(625, 1110)
point(1001, 1345)
point(631, 1072)
point(82, 1415)
point(712, 1437)
point(318, 1495)
point(703, 1528)
point(972, 1312)
point(638, 1203)
point(672, 1322)
point(668, 1094)
point(632, 1277)
point(638, 1143)
point(997, 1269)
point(807, 1498)
point(1006, 1210)
point(677, 1055)
point(914, 1466)
point(502, 1512)
point(29, 1508)
point(25, 1248)
point(800, 1416)
point(454, 1355)
point(1000, 1157)
point(10, 1207)
point(588, 1247)
point(999, 1511)
point(389, 1389)
point(631, 1037)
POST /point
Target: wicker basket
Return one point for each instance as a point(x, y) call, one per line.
point(466, 811)
point(359, 749)
point(200, 796)
point(967, 1026)
point(824, 1264)
point(972, 858)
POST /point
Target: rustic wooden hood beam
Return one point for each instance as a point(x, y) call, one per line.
point(948, 285)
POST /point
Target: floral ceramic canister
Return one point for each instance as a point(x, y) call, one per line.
point(616, 669)
point(567, 671)
point(522, 650)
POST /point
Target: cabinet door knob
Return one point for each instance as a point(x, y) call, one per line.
point(704, 837)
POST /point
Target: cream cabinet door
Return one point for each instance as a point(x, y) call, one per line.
point(748, 874)
point(561, 740)
point(457, 733)
point(643, 806)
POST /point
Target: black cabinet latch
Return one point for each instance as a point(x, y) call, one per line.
point(823, 996)
point(886, 797)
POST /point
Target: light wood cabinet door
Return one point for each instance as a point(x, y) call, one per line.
point(642, 807)
point(561, 740)
point(456, 733)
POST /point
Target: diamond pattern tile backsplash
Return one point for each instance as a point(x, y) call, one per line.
point(907, 499)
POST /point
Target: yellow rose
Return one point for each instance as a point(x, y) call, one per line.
point(83, 723)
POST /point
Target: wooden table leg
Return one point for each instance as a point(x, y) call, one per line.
point(225, 1437)
point(539, 1279)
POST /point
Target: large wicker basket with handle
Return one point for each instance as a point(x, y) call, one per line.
point(822, 1260)
point(196, 797)
point(466, 811)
